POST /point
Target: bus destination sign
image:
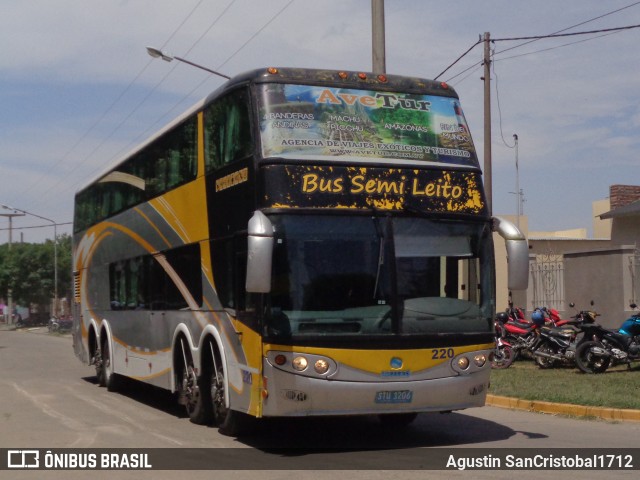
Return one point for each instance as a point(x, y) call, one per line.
point(431, 191)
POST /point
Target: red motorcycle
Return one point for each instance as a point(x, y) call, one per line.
point(521, 334)
point(553, 317)
point(503, 354)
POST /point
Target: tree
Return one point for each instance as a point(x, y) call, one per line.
point(28, 269)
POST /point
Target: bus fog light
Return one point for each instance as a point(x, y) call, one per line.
point(299, 363)
point(480, 360)
point(321, 366)
point(463, 363)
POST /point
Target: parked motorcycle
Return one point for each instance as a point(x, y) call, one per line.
point(59, 324)
point(503, 354)
point(558, 345)
point(607, 346)
point(520, 334)
point(552, 317)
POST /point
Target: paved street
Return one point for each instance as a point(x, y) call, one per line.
point(48, 399)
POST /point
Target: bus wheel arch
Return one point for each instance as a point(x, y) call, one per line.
point(215, 379)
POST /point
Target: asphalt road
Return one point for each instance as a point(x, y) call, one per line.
point(49, 400)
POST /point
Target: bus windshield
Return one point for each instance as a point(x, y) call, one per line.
point(315, 123)
point(359, 275)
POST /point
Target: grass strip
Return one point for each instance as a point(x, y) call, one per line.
point(618, 387)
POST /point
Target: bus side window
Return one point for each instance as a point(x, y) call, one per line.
point(229, 259)
point(227, 130)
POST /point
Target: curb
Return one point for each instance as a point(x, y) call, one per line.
point(613, 414)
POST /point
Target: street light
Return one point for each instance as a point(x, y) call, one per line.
point(155, 53)
point(55, 249)
point(9, 290)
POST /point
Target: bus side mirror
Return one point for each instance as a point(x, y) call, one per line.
point(259, 254)
point(517, 253)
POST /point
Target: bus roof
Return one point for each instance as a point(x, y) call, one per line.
point(342, 78)
point(303, 76)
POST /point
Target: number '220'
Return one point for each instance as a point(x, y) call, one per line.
point(442, 353)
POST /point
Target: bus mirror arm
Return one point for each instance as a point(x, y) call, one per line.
point(259, 254)
point(517, 253)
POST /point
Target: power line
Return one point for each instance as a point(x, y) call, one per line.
point(106, 112)
point(552, 48)
point(557, 35)
point(573, 26)
point(536, 38)
point(458, 59)
point(605, 31)
point(260, 30)
point(48, 225)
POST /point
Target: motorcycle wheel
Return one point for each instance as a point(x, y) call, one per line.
point(590, 362)
point(545, 362)
point(503, 357)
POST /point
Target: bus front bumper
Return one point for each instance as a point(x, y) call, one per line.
point(298, 395)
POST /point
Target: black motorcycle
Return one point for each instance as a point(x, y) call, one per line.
point(558, 345)
point(604, 347)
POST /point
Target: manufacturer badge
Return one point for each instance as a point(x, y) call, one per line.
point(396, 363)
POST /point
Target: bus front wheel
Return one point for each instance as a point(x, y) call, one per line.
point(229, 422)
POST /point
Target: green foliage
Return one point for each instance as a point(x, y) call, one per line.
point(28, 269)
point(618, 387)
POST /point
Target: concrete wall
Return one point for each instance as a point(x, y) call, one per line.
point(626, 231)
point(600, 276)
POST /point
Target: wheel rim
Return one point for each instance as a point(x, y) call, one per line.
point(503, 357)
point(220, 410)
point(190, 389)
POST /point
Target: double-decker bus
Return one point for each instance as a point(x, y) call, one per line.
point(300, 243)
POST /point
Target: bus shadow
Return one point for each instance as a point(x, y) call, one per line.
point(154, 397)
point(299, 436)
point(312, 435)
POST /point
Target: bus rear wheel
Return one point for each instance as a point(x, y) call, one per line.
point(192, 391)
point(104, 368)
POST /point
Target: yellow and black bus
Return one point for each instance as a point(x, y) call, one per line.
point(300, 243)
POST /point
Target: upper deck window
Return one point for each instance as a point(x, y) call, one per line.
point(301, 121)
point(227, 130)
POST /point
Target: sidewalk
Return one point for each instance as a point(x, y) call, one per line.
point(603, 413)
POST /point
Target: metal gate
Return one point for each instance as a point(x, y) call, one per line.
point(546, 288)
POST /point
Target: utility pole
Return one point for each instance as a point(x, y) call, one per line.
point(518, 193)
point(10, 290)
point(488, 187)
point(378, 37)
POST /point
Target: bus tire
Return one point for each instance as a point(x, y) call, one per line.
point(229, 422)
point(193, 391)
point(106, 376)
point(199, 408)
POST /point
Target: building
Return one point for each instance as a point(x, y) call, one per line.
point(600, 273)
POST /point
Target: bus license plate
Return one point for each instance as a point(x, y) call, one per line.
point(394, 396)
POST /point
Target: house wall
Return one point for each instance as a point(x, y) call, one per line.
point(600, 277)
point(626, 231)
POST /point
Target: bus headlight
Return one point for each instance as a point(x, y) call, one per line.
point(463, 363)
point(480, 360)
point(321, 366)
point(299, 363)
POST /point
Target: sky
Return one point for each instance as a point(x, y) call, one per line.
point(78, 89)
